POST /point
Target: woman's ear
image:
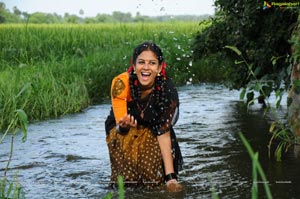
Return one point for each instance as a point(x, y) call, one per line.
point(133, 66)
point(159, 69)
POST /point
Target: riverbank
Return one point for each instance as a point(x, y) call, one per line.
point(52, 70)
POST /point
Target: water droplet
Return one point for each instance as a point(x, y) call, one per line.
point(190, 63)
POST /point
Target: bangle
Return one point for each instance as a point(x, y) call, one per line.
point(170, 176)
point(122, 130)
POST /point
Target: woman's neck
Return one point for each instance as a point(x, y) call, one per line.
point(145, 92)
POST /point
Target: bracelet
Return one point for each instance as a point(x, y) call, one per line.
point(122, 130)
point(170, 176)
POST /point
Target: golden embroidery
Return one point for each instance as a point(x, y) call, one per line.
point(118, 88)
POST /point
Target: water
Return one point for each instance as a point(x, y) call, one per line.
point(68, 157)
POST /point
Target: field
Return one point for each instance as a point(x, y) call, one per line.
point(52, 70)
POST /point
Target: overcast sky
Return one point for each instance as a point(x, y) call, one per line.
point(92, 7)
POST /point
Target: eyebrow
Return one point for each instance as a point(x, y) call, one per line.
point(148, 60)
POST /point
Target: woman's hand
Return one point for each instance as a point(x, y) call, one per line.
point(173, 186)
point(127, 121)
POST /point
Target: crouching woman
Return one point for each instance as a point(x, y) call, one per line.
point(142, 144)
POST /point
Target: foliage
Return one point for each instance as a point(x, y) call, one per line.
point(11, 190)
point(19, 16)
point(278, 129)
point(256, 171)
point(212, 68)
point(18, 123)
point(121, 192)
point(46, 95)
point(261, 36)
point(285, 136)
point(74, 66)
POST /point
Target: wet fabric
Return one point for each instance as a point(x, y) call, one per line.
point(136, 157)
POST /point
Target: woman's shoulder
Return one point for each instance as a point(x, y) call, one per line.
point(123, 76)
point(120, 85)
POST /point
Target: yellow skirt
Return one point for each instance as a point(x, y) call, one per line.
point(136, 157)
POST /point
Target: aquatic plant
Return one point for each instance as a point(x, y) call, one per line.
point(121, 192)
point(278, 129)
point(256, 171)
point(19, 122)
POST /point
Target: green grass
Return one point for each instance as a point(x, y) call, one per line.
point(69, 67)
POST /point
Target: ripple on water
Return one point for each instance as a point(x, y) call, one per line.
point(68, 157)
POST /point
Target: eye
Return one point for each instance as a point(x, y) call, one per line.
point(153, 63)
point(141, 62)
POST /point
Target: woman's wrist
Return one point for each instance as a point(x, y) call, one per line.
point(171, 177)
point(122, 130)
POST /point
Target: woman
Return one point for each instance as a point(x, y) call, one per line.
point(140, 137)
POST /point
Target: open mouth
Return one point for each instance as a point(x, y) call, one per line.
point(145, 74)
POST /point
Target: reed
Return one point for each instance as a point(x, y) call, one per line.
point(68, 67)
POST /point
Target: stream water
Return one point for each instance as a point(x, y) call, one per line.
point(68, 157)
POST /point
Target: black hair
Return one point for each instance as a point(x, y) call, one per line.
point(148, 46)
point(160, 80)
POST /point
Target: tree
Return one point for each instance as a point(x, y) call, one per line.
point(121, 17)
point(71, 18)
point(261, 35)
point(17, 11)
point(2, 11)
point(294, 93)
point(81, 12)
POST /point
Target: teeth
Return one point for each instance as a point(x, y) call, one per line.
point(146, 74)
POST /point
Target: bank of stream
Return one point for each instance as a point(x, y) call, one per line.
point(68, 157)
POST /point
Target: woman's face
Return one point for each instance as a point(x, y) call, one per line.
point(146, 68)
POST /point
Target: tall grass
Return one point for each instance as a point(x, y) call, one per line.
point(68, 67)
point(28, 43)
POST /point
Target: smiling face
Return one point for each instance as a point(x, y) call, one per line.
point(147, 67)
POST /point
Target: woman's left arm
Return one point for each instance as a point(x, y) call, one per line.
point(164, 142)
point(165, 146)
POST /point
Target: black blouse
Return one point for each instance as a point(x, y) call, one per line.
point(158, 117)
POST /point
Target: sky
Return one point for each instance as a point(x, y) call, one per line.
point(92, 7)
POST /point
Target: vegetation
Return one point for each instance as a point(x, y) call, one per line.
point(18, 123)
point(18, 16)
point(68, 67)
point(261, 35)
point(260, 59)
point(257, 171)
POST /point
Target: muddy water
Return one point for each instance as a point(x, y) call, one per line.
point(68, 157)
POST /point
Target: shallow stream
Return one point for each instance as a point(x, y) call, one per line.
point(68, 157)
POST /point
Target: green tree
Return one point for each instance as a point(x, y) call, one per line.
point(81, 12)
point(71, 18)
point(121, 17)
point(101, 18)
point(7, 17)
point(16, 11)
point(2, 11)
point(261, 35)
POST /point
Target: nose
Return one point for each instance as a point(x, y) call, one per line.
point(146, 65)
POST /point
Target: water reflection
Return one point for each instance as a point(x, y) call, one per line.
point(68, 157)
